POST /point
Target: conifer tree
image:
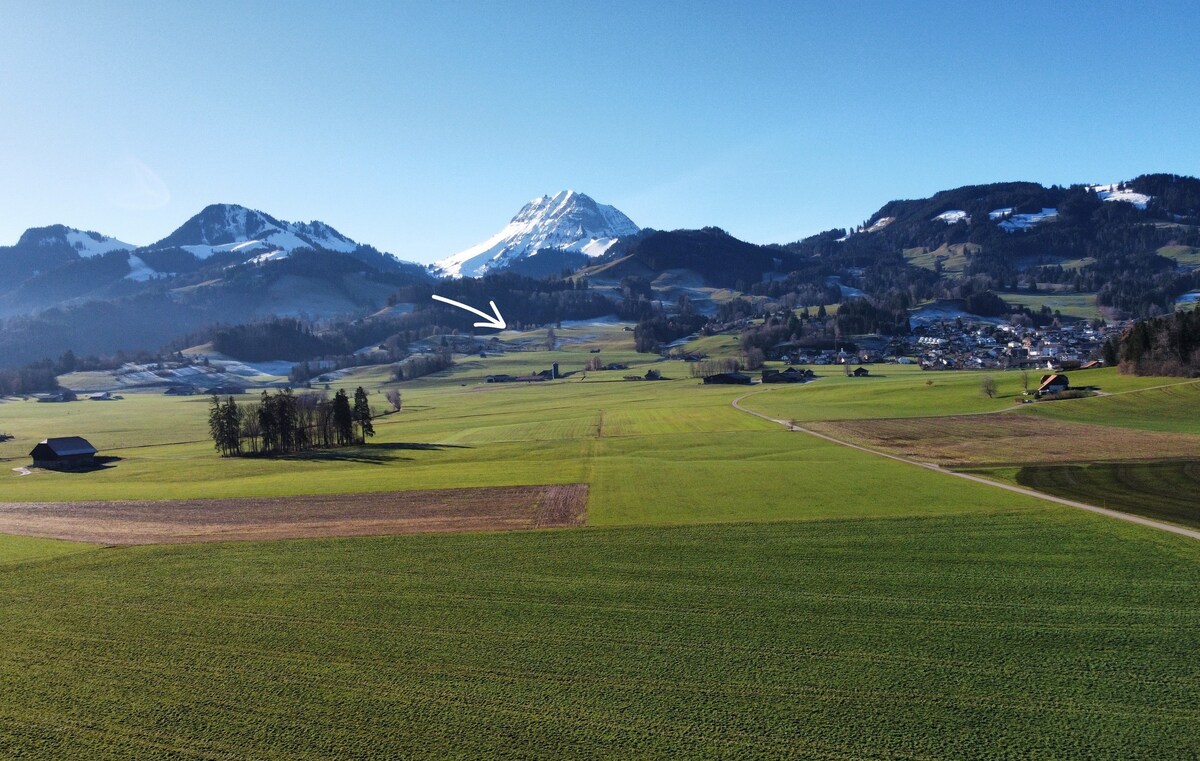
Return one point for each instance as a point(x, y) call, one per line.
point(362, 414)
point(343, 418)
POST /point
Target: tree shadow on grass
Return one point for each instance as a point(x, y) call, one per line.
point(369, 454)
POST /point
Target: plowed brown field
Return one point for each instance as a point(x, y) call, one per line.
point(1008, 439)
point(219, 520)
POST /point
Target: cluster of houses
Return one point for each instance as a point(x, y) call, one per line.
point(959, 345)
point(788, 375)
point(951, 346)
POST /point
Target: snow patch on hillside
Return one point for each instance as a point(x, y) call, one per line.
point(88, 244)
point(1113, 192)
point(140, 271)
point(880, 224)
point(1028, 221)
point(953, 216)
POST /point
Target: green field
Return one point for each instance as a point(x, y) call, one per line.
point(1172, 408)
point(1187, 256)
point(1070, 304)
point(1149, 489)
point(740, 590)
point(21, 549)
point(1054, 634)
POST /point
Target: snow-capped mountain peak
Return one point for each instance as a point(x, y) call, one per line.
point(565, 221)
point(222, 228)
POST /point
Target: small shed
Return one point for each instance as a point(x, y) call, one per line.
point(861, 372)
point(64, 453)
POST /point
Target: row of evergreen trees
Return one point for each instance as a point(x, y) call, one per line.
point(286, 423)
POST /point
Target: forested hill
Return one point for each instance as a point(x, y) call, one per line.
point(1132, 243)
point(720, 259)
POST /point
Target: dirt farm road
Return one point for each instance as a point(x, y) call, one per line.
point(1190, 533)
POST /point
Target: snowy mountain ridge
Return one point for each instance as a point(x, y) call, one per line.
point(567, 221)
point(221, 228)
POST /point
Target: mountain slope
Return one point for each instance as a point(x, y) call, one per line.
point(43, 248)
point(229, 228)
point(565, 222)
point(716, 257)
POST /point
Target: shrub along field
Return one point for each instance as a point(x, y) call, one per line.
point(739, 590)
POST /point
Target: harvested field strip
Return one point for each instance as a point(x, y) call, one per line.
point(216, 520)
point(967, 440)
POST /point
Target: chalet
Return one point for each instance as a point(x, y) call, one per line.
point(729, 379)
point(1053, 384)
point(64, 453)
point(498, 378)
point(860, 372)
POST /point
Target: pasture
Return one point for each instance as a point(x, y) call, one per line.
point(1050, 633)
point(738, 590)
point(1174, 408)
point(1082, 305)
point(1163, 490)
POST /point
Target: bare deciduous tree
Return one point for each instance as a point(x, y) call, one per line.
point(393, 397)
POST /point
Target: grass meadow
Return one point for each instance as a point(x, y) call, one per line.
point(740, 591)
point(1001, 634)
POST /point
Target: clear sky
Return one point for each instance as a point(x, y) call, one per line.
point(422, 127)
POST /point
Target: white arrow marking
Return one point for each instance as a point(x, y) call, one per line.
point(496, 322)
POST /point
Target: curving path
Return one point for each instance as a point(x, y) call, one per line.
point(1190, 533)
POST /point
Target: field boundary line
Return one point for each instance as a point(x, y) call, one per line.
point(1190, 533)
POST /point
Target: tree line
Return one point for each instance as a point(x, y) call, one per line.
point(285, 423)
point(1167, 345)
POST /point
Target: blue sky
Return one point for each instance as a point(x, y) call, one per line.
point(422, 127)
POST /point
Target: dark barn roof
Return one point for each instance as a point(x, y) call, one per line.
point(65, 446)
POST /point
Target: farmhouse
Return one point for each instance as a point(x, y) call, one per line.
point(790, 375)
point(64, 453)
point(1052, 384)
point(732, 379)
point(65, 395)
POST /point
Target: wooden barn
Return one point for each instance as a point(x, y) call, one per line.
point(64, 453)
point(733, 379)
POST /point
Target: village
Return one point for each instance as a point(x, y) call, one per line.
point(966, 345)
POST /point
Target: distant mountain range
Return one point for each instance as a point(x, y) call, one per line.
point(1135, 244)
